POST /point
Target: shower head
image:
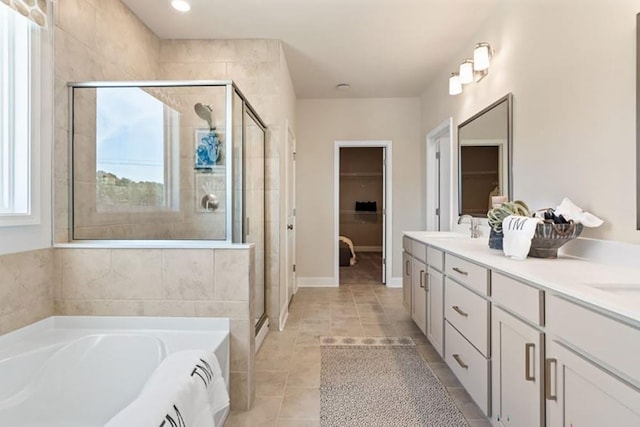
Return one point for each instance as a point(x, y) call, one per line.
point(204, 112)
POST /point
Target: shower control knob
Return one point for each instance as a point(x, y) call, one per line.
point(289, 226)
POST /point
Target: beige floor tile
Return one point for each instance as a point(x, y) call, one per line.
point(322, 327)
point(377, 330)
point(271, 383)
point(263, 414)
point(273, 360)
point(429, 353)
point(290, 422)
point(306, 354)
point(353, 331)
point(307, 338)
point(446, 376)
point(304, 374)
point(465, 403)
point(301, 403)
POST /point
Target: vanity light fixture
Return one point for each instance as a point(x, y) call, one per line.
point(181, 5)
point(455, 87)
point(466, 71)
point(472, 69)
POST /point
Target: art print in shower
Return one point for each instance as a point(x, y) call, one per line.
point(208, 149)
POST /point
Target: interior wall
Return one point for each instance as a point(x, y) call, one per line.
point(320, 122)
point(571, 68)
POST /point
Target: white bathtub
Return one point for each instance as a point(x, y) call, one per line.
point(77, 371)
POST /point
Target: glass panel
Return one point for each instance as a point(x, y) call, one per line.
point(238, 135)
point(149, 163)
point(254, 206)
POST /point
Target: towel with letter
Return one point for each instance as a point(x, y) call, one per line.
point(186, 390)
point(518, 232)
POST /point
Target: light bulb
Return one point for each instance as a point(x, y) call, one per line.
point(455, 88)
point(466, 71)
point(181, 5)
point(481, 56)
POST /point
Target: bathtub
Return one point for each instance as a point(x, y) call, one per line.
point(75, 371)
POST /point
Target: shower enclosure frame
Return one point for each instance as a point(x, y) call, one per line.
point(247, 110)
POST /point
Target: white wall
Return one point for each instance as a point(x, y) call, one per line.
point(320, 122)
point(571, 67)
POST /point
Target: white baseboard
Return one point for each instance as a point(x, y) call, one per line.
point(367, 249)
point(317, 282)
point(284, 315)
point(396, 282)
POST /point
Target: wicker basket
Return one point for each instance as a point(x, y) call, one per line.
point(549, 237)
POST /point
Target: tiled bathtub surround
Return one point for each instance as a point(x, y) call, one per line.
point(166, 282)
point(26, 291)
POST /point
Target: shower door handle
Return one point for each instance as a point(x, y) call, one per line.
point(289, 226)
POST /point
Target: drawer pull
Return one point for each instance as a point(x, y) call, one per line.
point(422, 279)
point(527, 361)
point(457, 270)
point(547, 382)
point(459, 311)
point(406, 268)
point(460, 362)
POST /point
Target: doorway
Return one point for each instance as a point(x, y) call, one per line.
point(361, 211)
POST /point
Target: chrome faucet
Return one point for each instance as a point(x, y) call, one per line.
point(473, 225)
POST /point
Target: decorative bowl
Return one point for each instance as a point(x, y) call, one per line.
point(549, 237)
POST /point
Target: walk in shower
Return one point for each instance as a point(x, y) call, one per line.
point(168, 161)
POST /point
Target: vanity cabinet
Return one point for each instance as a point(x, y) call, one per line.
point(435, 305)
point(517, 350)
point(591, 362)
point(419, 294)
point(407, 288)
point(517, 372)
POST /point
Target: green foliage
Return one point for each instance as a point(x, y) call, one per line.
point(497, 215)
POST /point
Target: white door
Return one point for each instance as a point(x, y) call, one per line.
point(582, 394)
point(439, 186)
point(435, 312)
point(384, 216)
point(517, 372)
point(291, 215)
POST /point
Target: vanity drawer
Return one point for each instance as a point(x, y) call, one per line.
point(607, 340)
point(468, 313)
point(517, 297)
point(419, 250)
point(472, 275)
point(435, 258)
point(468, 365)
point(406, 244)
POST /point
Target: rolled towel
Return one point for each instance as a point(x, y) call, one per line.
point(187, 389)
point(571, 211)
point(518, 232)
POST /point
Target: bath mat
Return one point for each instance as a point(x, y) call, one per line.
point(381, 381)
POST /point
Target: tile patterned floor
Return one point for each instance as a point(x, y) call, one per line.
point(288, 364)
point(367, 271)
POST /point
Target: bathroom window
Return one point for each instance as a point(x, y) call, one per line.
point(19, 118)
point(136, 151)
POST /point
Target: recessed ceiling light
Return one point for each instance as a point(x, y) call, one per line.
point(181, 5)
point(343, 86)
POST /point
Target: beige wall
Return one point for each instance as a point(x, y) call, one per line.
point(26, 288)
point(571, 68)
point(166, 282)
point(320, 122)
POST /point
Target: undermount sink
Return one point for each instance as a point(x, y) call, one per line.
point(444, 235)
point(627, 290)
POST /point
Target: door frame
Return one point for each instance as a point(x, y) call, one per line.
point(387, 167)
point(290, 215)
point(432, 180)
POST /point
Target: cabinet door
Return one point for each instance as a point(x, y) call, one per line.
point(580, 393)
point(407, 286)
point(517, 372)
point(418, 276)
point(435, 313)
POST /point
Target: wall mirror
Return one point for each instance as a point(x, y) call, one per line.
point(484, 158)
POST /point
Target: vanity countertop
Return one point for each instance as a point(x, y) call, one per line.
point(613, 289)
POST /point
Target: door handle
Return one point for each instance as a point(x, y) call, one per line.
point(460, 362)
point(547, 382)
point(289, 226)
point(459, 311)
point(527, 362)
point(406, 268)
point(422, 279)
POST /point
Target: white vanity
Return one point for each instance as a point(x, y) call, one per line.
point(536, 342)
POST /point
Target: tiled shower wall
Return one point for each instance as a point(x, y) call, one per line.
point(167, 282)
point(26, 291)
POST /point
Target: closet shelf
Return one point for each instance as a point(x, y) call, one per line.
point(360, 174)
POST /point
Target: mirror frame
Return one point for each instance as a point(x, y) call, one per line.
point(638, 121)
point(508, 98)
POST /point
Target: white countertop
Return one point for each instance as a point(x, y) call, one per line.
point(613, 289)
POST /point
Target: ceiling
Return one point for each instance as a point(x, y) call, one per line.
point(382, 48)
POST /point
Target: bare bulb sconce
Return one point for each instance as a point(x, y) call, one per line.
point(472, 69)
